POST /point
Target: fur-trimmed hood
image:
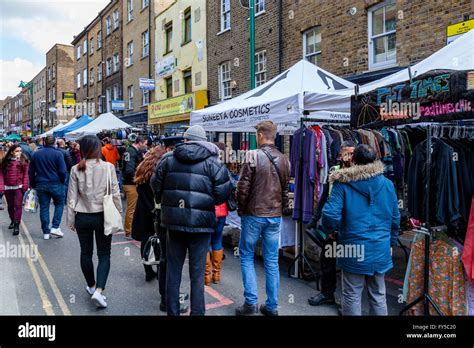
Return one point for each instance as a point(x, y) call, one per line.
point(367, 179)
point(357, 172)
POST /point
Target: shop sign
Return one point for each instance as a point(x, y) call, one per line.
point(147, 84)
point(69, 99)
point(455, 31)
point(434, 96)
point(165, 66)
point(118, 105)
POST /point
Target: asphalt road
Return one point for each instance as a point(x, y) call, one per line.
point(52, 282)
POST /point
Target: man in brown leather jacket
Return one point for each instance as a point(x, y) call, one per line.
point(262, 196)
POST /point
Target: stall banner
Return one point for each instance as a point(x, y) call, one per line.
point(436, 96)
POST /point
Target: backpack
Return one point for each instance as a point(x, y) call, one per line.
point(152, 251)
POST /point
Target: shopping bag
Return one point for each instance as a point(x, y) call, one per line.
point(31, 201)
point(152, 251)
point(112, 216)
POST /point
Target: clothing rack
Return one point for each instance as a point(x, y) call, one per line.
point(300, 258)
point(426, 297)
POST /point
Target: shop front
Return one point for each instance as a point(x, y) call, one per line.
point(171, 116)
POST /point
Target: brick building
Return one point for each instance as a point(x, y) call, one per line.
point(364, 40)
point(138, 57)
point(112, 53)
point(39, 96)
point(228, 46)
point(59, 80)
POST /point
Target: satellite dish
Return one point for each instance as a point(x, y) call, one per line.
point(245, 3)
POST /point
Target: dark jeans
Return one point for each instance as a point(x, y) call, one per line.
point(66, 184)
point(178, 243)
point(15, 204)
point(46, 192)
point(328, 272)
point(216, 237)
point(86, 225)
point(162, 268)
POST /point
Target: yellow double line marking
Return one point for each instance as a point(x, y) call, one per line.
point(47, 306)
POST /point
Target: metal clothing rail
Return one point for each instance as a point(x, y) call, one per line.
point(300, 259)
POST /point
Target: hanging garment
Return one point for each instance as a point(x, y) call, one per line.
point(304, 211)
point(468, 253)
point(447, 285)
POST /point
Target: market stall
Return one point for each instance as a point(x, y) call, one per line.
point(107, 121)
point(56, 128)
point(70, 126)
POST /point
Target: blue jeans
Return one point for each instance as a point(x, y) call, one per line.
point(252, 228)
point(66, 184)
point(46, 192)
point(216, 237)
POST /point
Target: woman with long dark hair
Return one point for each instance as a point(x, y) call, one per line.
point(143, 218)
point(14, 183)
point(85, 213)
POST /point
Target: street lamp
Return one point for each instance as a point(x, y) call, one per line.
point(43, 105)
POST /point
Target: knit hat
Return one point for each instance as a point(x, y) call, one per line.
point(196, 133)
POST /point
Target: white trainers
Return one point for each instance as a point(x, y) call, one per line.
point(57, 232)
point(99, 300)
point(46, 236)
point(91, 292)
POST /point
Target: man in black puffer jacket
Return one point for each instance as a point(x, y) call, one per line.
point(189, 183)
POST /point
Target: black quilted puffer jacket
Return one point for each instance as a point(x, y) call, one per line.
point(189, 183)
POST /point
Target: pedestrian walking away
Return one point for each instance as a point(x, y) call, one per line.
point(262, 198)
point(14, 183)
point(188, 183)
point(47, 175)
point(85, 214)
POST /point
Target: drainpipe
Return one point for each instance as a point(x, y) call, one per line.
point(280, 36)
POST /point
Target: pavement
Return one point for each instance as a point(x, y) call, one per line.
point(51, 282)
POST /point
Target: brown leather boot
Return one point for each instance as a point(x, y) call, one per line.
point(207, 274)
point(216, 264)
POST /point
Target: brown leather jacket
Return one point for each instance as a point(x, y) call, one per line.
point(259, 192)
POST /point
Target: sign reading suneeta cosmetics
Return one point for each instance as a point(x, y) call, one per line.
point(436, 96)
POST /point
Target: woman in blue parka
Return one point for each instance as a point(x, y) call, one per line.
point(363, 207)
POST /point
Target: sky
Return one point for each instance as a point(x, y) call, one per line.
point(29, 28)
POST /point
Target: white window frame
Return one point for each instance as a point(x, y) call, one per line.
point(108, 26)
point(99, 39)
point(53, 71)
point(259, 7)
point(78, 52)
point(145, 3)
point(116, 63)
point(116, 17)
point(78, 81)
point(384, 64)
point(116, 94)
point(129, 10)
point(145, 97)
point(91, 76)
point(260, 69)
point(224, 80)
point(145, 44)
point(49, 73)
point(84, 47)
point(130, 97)
point(108, 99)
point(225, 15)
point(130, 53)
point(108, 67)
point(99, 103)
point(99, 72)
point(185, 13)
point(54, 94)
point(84, 77)
point(306, 55)
point(91, 45)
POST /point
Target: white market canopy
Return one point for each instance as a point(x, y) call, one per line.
point(55, 128)
point(458, 55)
point(280, 100)
point(107, 121)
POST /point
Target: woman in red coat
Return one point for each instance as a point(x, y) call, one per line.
point(14, 183)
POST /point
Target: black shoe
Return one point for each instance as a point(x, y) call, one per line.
point(150, 276)
point(163, 306)
point(16, 229)
point(321, 299)
point(266, 312)
point(183, 308)
point(246, 309)
point(10, 227)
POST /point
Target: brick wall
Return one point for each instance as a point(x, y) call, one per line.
point(420, 30)
point(233, 45)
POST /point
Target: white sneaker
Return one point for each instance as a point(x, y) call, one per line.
point(99, 300)
point(46, 236)
point(57, 232)
point(91, 292)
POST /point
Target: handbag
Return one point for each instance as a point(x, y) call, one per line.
point(152, 251)
point(30, 201)
point(112, 216)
